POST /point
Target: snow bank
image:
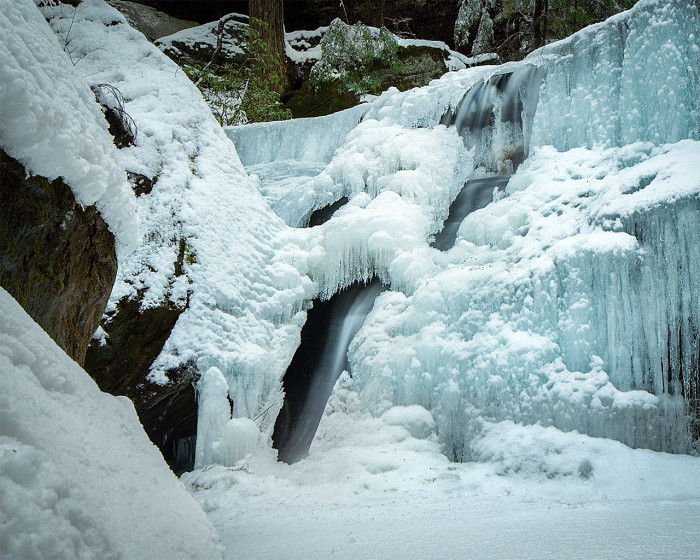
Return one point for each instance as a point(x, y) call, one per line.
point(210, 242)
point(50, 121)
point(78, 476)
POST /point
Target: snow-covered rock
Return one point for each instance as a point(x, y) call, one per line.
point(51, 123)
point(210, 245)
point(78, 476)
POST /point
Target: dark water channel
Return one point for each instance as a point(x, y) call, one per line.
point(318, 362)
point(475, 194)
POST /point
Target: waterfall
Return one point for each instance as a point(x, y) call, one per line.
point(317, 364)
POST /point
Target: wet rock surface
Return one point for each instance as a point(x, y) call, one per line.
point(56, 258)
point(120, 363)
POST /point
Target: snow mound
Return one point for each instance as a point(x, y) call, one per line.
point(50, 121)
point(78, 476)
point(211, 244)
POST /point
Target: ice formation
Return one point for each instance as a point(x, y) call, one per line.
point(78, 476)
point(572, 300)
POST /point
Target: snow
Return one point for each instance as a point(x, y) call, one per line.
point(242, 293)
point(369, 489)
point(205, 36)
point(563, 319)
point(78, 476)
point(51, 122)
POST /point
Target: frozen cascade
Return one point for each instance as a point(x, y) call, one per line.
point(285, 153)
point(317, 364)
point(633, 77)
point(476, 194)
point(495, 118)
point(572, 299)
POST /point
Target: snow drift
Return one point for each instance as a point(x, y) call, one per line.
point(78, 476)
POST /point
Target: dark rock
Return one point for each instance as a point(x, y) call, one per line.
point(427, 19)
point(322, 215)
point(141, 184)
point(120, 364)
point(121, 126)
point(201, 11)
point(56, 258)
point(149, 21)
point(310, 102)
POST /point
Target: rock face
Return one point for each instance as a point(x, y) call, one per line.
point(427, 19)
point(149, 21)
point(56, 258)
point(418, 66)
point(120, 363)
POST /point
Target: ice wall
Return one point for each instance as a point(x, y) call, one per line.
point(309, 139)
point(549, 311)
point(633, 77)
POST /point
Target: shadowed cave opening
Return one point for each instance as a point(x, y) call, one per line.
point(318, 362)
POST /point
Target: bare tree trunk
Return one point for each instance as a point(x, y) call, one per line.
point(271, 31)
point(537, 23)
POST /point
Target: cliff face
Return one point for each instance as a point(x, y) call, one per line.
point(58, 261)
point(56, 258)
point(427, 19)
point(120, 364)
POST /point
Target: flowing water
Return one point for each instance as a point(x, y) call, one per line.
point(319, 361)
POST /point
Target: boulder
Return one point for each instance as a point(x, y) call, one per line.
point(149, 21)
point(56, 258)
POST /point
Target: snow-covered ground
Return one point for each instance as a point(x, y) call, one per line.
point(78, 476)
point(379, 488)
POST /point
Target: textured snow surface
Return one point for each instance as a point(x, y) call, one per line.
point(242, 291)
point(205, 35)
point(380, 488)
point(78, 476)
point(50, 121)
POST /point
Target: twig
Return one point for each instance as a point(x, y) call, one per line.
point(219, 45)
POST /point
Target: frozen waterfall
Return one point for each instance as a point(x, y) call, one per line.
point(571, 298)
point(317, 364)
